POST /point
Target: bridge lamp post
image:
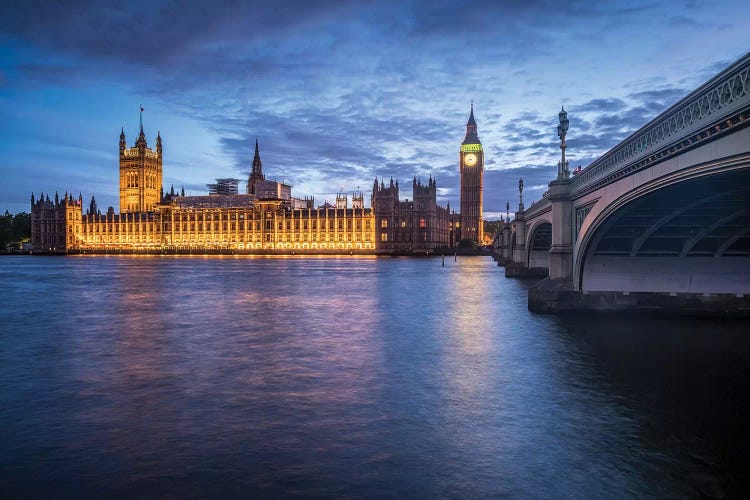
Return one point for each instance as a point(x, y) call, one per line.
point(562, 131)
point(520, 194)
point(507, 212)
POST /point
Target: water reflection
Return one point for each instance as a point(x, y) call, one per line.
point(223, 375)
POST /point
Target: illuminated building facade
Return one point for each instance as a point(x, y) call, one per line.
point(268, 220)
point(140, 174)
point(471, 165)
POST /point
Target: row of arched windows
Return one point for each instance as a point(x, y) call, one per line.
point(131, 180)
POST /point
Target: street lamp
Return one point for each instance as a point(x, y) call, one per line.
point(520, 194)
point(562, 131)
point(507, 212)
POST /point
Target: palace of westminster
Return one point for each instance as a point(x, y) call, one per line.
point(266, 219)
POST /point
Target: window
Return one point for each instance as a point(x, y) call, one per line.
point(422, 222)
point(383, 223)
point(383, 236)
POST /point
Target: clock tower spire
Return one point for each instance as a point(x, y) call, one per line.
point(471, 166)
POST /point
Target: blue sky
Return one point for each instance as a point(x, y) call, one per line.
point(338, 92)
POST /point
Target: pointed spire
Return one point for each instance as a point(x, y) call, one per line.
point(471, 128)
point(472, 122)
point(141, 135)
point(257, 164)
point(122, 133)
point(256, 173)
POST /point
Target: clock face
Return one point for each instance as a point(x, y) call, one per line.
point(470, 160)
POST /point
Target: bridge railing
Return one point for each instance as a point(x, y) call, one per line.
point(713, 102)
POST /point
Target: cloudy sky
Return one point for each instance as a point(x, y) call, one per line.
point(338, 92)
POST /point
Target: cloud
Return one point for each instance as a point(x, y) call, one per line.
point(659, 98)
point(602, 105)
point(341, 91)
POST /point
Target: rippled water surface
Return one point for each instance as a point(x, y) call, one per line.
point(357, 377)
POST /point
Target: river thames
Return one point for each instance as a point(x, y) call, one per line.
point(357, 377)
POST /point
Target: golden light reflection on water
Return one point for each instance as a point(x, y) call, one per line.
point(466, 365)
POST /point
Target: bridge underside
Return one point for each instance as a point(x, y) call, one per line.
point(691, 237)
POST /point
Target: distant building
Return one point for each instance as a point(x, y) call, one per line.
point(267, 219)
point(224, 187)
point(54, 222)
point(417, 226)
point(272, 190)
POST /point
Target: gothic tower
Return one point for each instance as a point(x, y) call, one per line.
point(471, 164)
point(384, 208)
point(140, 174)
point(257, 172)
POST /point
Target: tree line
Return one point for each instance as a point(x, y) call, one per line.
point(14, 228)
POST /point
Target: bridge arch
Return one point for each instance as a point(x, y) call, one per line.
point(539, 244)
point(687, 232)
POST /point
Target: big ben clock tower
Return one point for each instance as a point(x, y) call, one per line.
point(471, 163)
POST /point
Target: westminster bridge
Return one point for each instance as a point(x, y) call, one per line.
point(662, 220)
